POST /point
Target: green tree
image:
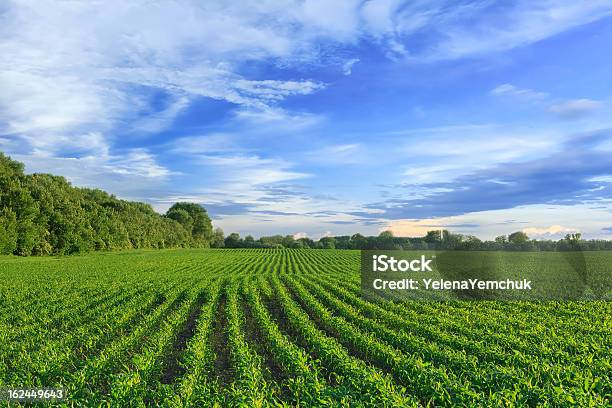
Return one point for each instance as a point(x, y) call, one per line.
point(574, 238)
point(306, 242)
point(328, 242)
point(249, 241)
point(385, 240)
point(433, 237)
point(42, 214)
point(518, 237)
point(217, 239)
point(288, 241)
point(501, 239)
point(182, 217)
point(201, 226)
point(10, 167)
point(274, 241)
point(233, 240)
point(470, 242)
point(8, 231)
point(358, 241)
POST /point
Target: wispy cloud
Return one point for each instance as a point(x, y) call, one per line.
point(70, 69)
point(342, 154)
point(347, 67)
point(575, 108)
point(276, 119)
point(522, 93)
point(208, 143)
point(238, 102)
point(449, 152)
point(416, 228)
point(93, 56)
point(135, 174)
point(495, 27)
point(548, 231)
point(250, 169)
point(564, 177)
point(567, 109)
point(491, 223)
point(137, 162)
point(157, 121)
point(238, 182)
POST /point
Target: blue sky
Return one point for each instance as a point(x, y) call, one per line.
point(316, 117)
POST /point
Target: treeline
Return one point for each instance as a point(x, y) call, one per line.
point(433, 240)
point(42, 214)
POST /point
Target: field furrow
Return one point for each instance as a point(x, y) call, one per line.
point(284, 327)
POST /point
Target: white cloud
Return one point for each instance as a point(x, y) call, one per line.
point(447, 152)
point(237, 177)
point(73, 73)
point(485, 224)
point(73, 68)
point(434, 173)
point(575, 108)
point(299, 235)
point(48, 110)
point(587, 218)
point(270, 90)
point(500, 27)
point(207, 143)
point(347, 68)
point(350, 153)
point(216, 82)
point(134, 163)
point(133, 175)
point(70, 69)
point(322, 235)
point(276, 119)
point(449, 129)
point(569, 109)
point(337, 20)
point(601, 179)
point(543, 231)
point(514, 91)
point(378, 16)
point(137, 162)
point(158, 121)
point(412, 228)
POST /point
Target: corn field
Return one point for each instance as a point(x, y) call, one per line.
point(252, 328)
